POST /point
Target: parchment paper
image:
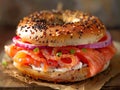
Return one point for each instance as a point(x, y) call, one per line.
point(94, 83)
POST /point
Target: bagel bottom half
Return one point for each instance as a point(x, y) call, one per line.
point(57, 76)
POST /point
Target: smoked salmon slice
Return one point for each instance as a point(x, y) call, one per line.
point(94, 58)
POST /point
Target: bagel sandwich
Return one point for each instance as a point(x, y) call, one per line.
point(61, 46)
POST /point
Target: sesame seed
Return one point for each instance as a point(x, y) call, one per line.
point(99, 27)
point(50, 34)
point(33, 27)
point(59, 74)
point(71, 37)
point(36, 37)
point(46, 41)
point(72, 78)
point(25, 26)
point(51, 41)
point(41, 37)
point(91, 28)
point(88, 26)
point(28, 27)
point(32, 32)
point(26, 30)
point(42, 21)
point(56, 30)
point(94, 21)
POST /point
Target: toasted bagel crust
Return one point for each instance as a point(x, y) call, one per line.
point(60, 28)
point(57, 76)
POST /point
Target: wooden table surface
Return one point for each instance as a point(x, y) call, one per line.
point(6, 33)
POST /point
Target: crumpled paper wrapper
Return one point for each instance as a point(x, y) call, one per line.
point(94, 83)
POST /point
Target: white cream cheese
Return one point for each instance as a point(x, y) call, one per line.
point(78, 66)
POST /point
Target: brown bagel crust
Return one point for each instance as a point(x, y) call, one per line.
point(56, 76)
point(60, 28)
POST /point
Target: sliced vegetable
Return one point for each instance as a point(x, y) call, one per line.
point(36, 50)
point(84, 49)
point(17, 41)
point(102, 43)
point(72, 51)
point(58, 54)
point(4, 63)
point(105, 41)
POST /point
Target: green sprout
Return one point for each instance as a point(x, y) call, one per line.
point(36, 50)
point(58, 54)
point(84, 49)
point(4, 63)
point(72, 51)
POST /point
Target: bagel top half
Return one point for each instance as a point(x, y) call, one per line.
point(60, 28)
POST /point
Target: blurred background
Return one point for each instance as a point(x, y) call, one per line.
point(11, 11)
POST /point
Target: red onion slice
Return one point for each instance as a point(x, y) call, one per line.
point(100, 44)
point(19, 43)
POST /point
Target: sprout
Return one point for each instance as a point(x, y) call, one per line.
point(58, 54)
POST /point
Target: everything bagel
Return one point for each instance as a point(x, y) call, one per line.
point(61, 46)
point(60, 28)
